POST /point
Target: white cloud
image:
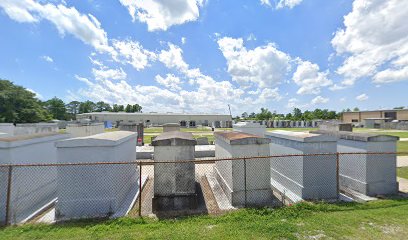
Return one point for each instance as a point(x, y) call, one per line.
point(266, 2)
point(133, 53)
point(374, 41)
point(265, 66)
point(204, 92)
point(47, 59)
point(173, 58)
point(319, 100)
point(288, 3)
point(309, 78)
point(183, 40)
point(282, 3)
point(162, 14)
point(105, 73)
point(390, 75)
point(170, 81)
point(251, 37)
point(292, 103)
point(66, 19)
point(37, 95)
point(362, 97)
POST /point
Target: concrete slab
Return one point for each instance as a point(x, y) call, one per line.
point(403, 185)
point(358, 197)
point(219, 195)
point(402, 161)
point(201, 151)
point(49, 216)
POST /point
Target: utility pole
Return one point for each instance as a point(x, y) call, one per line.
point(229, 107)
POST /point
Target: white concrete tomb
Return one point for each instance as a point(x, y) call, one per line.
point(303, 177)
point(90, 191)
point(254, 128)
point(32, 188)
point(83, 130)
point(174, 183)
point(231, 173)
point(369, 174)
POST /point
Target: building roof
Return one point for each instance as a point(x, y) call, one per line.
point(385, 110)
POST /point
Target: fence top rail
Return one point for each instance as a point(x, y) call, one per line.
point(198, 161)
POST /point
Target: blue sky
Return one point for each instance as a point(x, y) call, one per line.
point(200, 56)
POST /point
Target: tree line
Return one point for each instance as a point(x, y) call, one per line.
point(295, 115)
point(18, 105)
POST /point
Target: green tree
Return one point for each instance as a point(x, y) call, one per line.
point(102, 106)
point(356, 109)
point(265, 114)
point(307, 115)
point(57, 108)
point(18, 105)
point(73, 107)
point(121, 108)
point(297, 114)
point(137, 108)
point(86, 107)
point(128, 108)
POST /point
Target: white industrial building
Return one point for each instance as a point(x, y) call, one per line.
point(157, 119)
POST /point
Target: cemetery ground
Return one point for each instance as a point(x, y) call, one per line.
point(207, 132)
point(385, 219)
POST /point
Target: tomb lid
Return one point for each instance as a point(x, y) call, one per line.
point(21, 140)
point(98, 140)
point(362, 137)
point(171, 125)
point(240, 138)
point(174, 138)
point(301, 136)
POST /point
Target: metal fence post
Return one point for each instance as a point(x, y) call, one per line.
point(140, 188)
point(245, 182)
point(10, 170)
point(338, 174)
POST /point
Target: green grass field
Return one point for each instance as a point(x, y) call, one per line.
point(402, 172)
point(383, 219)
point(403, 147)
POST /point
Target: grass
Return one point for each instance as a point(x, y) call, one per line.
point(153, 130)
point(403, 147)
point(160, 129)
point(111, 129)
point(402, 172)
point(383, 219)
point(148, 139)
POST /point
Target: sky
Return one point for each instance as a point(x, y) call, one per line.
point(199, 56)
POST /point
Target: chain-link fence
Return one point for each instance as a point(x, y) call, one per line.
point(59, 192)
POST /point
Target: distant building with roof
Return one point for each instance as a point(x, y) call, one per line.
point(158, 119)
